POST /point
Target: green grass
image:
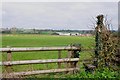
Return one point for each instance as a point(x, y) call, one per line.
point(35, 40)
point(44, 40)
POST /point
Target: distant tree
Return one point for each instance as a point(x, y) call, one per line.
point(54, 34)
point(13, 30)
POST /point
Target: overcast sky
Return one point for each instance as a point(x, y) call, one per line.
point(57, 15)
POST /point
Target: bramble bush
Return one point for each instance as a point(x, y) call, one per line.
point(98, 73)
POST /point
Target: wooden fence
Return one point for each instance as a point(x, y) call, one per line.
point(71, 60)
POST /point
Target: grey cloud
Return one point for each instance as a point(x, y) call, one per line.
point(61, 0)
point(56, 15)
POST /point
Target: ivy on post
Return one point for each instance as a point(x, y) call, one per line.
point(98, 41)
point(75, 54)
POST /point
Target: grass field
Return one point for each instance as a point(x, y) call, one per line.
point(43, 40)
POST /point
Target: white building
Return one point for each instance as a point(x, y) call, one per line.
point(68, 34)
point(63, 33)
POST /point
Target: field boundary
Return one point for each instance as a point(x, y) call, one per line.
point(71, 60)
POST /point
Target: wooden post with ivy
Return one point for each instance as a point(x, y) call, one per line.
point(98, 30)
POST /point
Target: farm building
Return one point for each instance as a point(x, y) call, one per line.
point(67, 34)
point(63, 33)
point(87, 35)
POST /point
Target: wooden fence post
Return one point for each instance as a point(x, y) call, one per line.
point(98, 46)
point(59, 57)
point(71, 54)
point(9, 58)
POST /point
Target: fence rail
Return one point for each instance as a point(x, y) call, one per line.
point(8, 63)
point(42, 71)
point(70, 61)
point(39, 49)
